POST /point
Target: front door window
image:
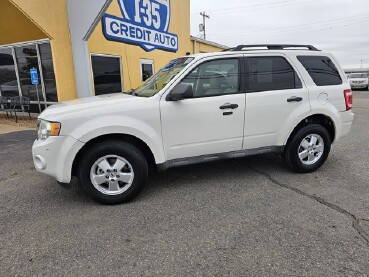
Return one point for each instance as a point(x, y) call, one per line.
point(215, 78)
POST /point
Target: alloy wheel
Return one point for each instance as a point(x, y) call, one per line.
point(112, 175)
point(311, 149)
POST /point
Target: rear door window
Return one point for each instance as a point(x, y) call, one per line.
point(271, 73)
point(321, 69)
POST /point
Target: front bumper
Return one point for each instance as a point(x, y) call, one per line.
point(347, 118)
point(55, 155)
point(363, 85)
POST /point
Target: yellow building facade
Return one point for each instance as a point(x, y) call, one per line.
point(126, 42)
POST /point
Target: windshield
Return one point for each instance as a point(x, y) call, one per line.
point(358, 76)
point(158, 81)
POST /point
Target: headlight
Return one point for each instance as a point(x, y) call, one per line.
point(47, 129)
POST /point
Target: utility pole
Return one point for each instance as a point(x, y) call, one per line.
point(204, 17)
point(361, 66)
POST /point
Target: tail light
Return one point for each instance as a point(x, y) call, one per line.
point(348, 99)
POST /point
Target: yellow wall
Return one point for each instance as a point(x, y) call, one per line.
point(199, 47)
point(15, 26)
point(51, 19)
point(131, 55)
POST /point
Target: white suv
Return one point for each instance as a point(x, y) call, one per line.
point(359, 80)
point(201, 108)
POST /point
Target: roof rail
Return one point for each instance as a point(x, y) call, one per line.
point(271, 47)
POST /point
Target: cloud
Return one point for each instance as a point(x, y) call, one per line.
point(337, 26)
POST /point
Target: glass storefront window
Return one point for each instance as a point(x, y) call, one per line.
point(26, 59)
point(28, 56)
point(147, 69)
point(107, 75)
point(8, 77)
point(48, 72)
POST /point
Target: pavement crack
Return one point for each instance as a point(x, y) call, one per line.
point(355, 221)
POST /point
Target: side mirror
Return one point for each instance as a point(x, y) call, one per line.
point(179, 92)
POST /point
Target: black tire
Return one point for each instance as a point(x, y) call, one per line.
point(291, 156)
point(113, 147)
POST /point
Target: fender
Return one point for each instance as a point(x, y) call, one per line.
point(293, 120)
point(97, 127)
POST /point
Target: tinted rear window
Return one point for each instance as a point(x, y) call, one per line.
point(322, 70)
point(272, 73)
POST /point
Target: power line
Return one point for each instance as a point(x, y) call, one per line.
point(283, 29)
point(262, 5)
point(321, 29)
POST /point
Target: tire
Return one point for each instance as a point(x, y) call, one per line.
point(123, 166)
point(300, 144)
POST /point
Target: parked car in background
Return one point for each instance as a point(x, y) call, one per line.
point(359, 80)
point(281, 99)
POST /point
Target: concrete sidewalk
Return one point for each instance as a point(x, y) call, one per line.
point(8, 125)
point(5, 129)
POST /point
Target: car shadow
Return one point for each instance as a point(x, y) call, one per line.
point(198, 175)
point(213, 172)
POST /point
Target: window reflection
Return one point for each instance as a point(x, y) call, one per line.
point(48, 72)
point(107, 75)
point(147, 71)
point(8, 78)
point(26, 57)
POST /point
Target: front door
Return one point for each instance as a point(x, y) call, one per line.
point(213, 120)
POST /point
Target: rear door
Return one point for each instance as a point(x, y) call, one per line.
point(275, 97)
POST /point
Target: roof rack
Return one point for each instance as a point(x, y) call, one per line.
point(271, 47)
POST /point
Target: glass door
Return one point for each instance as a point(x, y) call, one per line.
point(27, 58)
point(15, 80)
point(48, 75)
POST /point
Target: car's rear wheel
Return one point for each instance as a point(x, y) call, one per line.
point(113, 172)
point(308, 149)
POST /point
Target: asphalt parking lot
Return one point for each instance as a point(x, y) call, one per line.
point(249, 217)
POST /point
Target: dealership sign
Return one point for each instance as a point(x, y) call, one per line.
point(144, 23)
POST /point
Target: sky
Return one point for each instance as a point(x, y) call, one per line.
point(340, 27)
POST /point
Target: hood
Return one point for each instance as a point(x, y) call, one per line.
point(78, 105)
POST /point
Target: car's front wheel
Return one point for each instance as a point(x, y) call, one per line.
point(113, 172)
point(308, 149)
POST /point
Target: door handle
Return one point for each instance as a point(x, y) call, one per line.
point(227, 113)
point(228, 106)
point(294, 99)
